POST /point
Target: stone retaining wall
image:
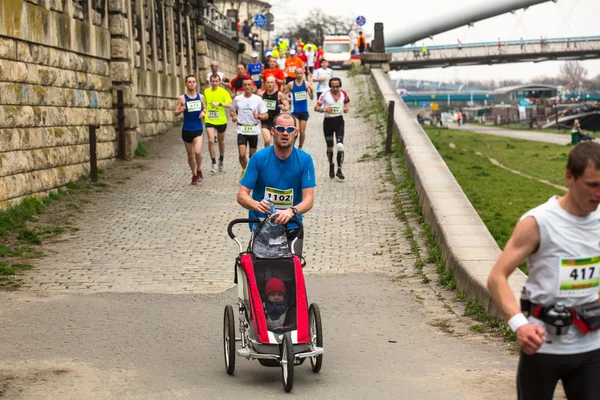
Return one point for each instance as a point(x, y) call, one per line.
point(61, 65)
point(468, 248)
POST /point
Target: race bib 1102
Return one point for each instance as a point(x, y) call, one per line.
point(282, 199)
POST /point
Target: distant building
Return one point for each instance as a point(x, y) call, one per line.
point(532, 92)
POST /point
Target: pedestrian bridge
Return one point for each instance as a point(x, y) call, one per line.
point(485, 53)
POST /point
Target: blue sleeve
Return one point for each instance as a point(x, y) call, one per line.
point(251, 174)
point(308, 174)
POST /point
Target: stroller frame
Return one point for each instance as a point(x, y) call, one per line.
point(274, 349)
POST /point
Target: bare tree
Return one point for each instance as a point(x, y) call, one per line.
point(318, 24)
point(573, 72)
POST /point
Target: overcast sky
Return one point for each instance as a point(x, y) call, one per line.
point(566, 18)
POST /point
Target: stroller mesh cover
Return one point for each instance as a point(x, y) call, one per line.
point(257, 272)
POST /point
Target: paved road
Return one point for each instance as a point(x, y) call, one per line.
point(555, 138)
point(131, 306)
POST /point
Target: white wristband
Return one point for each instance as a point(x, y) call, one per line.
point(517, 321)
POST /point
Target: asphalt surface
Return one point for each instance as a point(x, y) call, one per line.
point(131, 306)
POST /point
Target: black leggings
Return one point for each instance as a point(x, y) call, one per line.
point(538, 375)
point(331, 126)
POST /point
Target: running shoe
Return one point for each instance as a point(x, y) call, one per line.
point(331, 171)
point(220, 165)
point(214, 168)
point(339, 174)
point(201, 178)
point(194, 179)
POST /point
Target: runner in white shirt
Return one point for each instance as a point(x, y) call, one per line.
point(310, 59)
point(557, 323)
point(247, 111)
point(334, 103)
point(322, 77)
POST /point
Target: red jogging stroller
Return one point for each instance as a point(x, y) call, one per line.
point(302, 337)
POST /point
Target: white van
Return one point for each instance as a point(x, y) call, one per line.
point(338, 51)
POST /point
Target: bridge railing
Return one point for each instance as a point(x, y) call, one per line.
point(218, 21)
point(492, 49)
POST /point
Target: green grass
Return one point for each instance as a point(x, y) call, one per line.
point(475, 310)
point(500, 196)
point(16, 217)
point(141, 150)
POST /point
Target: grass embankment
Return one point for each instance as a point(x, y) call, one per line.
point(500, 196)
point(21, 232)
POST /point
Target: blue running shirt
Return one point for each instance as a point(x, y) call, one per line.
point(280, 180)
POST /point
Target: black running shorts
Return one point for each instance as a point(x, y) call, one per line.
point(248, 140)
point(219, 128)
point(189, 136)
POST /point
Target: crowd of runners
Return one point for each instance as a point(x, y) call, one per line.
point(287, 81)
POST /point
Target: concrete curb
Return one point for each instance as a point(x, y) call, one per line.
point(467, 246)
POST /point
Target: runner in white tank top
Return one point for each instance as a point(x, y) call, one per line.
point(561, 241)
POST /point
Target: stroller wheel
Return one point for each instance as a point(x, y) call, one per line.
point(229, 339)
point(316, 334)
point(287, 362)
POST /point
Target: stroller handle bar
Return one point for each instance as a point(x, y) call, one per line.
point(258, 221)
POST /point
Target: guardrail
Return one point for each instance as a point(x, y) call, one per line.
point(218, 21)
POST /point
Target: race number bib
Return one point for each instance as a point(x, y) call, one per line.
point(578, 277)
point(282, 199)
point(256, 77)
point(194, 105)
point(336, 110)
point(271, 104)
point(214, 114)
point(292, 70)
point(248, 129)
point(298, 96)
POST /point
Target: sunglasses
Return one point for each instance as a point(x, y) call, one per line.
point(334, 87)
point(281, 129)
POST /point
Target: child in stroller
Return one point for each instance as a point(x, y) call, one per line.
point(275, 307)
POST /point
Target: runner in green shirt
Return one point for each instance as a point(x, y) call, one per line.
point(217, 99)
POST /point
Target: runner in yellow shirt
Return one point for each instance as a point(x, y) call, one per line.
point(217, 99)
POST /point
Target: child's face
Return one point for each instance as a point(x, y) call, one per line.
point(276, 297)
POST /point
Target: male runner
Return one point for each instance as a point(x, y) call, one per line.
point(192, 105)
point(276, 102)
point(301, 90)
point(247, 111)
point(237, 81)
point(322, 77)
point(214, 69)
point(255, 70)
point(291, 63)
point(333, 103)
point(282, 174)
point(310, 58)
point(561, 241)
point(217, 99)
point(274, 71)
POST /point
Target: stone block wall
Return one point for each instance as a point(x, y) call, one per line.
point(62, 63)
point(54, 83)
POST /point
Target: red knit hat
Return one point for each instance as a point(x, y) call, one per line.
point(274, 285)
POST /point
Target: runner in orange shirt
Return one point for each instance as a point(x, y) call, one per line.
point(291, 63)
point(274, 71)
